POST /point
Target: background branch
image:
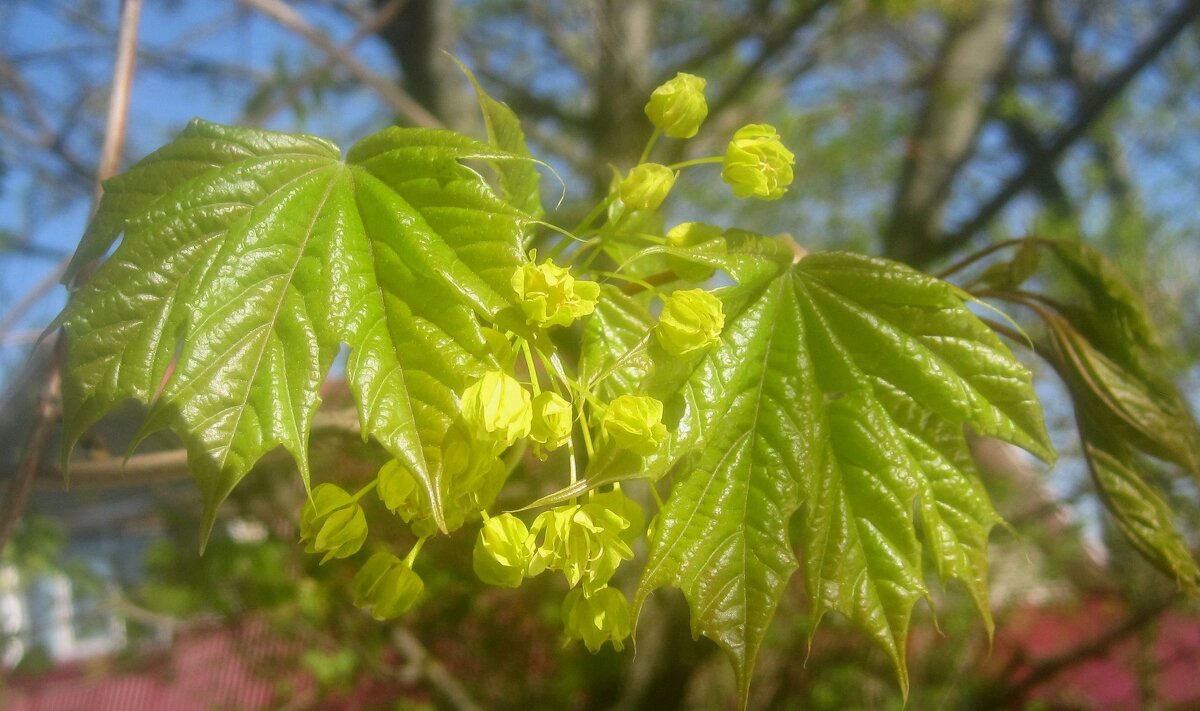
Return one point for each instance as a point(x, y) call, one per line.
point(388, 90)
point(49, 405)
point(1089, 111)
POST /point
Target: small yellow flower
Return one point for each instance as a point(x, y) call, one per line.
point(677, 107)
point(399, 491)
point(332, 523)
point(600, 617)
point(584, 542)
point(635, 423)
point(550, 296)
point(387, 585)
point(552, 419)
point(691, 321)
point(503, 551)
point(627, 509)
point(757, 164)
point(497, 408)
point(646, 186)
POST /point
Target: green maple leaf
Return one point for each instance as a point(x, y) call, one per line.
point(248, 256)
point(839, 390)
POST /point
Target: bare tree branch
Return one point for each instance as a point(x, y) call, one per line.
point(49, 406)
point(31, 297)
point(947, 126)
point(368, 27)
point(396, 98)
point(774, 42)
point(1047, 669)
point(425, 666)
point(170, 464)
point(1089, 111)
point(749, 24)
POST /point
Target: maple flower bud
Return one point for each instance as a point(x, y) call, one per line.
point(635, 423)
point(584, 542)
point(601, 617)
point(332, 523)
point(677, 107)
point(498, 408)
point(552, 419)
point(646, 186)
point(387, 585)
point(691, 320)
point(625, 507)
point(550, 296)
point(757, 164)
point(503, 551)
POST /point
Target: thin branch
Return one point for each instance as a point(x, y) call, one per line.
point(718, 45)
point(778, 39)
point(1089, 111)
point(367, 28)
point(1050, 667)
point(171, 464)
point(398, 99)
point(31, 297)
point(425, 666)
point(528, 104)
point(49, 406)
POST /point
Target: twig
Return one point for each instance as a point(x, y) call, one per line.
point(1088, 112)
point(398, 99)
point(1048, 668)
point(776, 41)
point(172, 464)
point(118, 100)
point(427, 667)
point(49, 406)
point(369, 27)
point(32, 297)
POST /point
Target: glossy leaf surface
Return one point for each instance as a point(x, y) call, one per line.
point(236, 280)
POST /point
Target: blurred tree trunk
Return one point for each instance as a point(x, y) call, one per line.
point(624, 36)
point(947, 126)
point(420, 36)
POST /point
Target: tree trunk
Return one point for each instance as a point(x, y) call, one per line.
point(624, 36)
point(947, 126)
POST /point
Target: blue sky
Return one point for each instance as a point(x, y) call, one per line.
point(159, 107)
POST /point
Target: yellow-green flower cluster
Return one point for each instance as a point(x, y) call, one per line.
point(691, 320)
point(757, 164)
point(550, 296)
point(497, 408)
point(552, 421)
point(471, 475)
point(332, 523)
point(677, 107)
point(585, 542)
point(596, 619)
point(634, 422)
point(504, 551)
point(646, 186)
point(387, 586)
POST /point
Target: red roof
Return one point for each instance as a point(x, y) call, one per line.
point(242, 668)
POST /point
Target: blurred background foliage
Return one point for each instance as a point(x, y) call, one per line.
point(922, 129)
